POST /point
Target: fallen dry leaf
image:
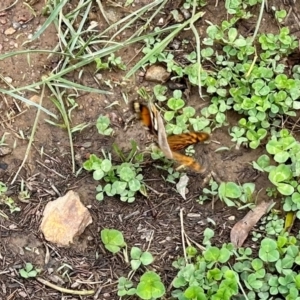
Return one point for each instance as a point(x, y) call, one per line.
point(181, 186)
point(241, 229)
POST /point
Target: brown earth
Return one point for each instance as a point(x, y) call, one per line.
point(48, 170)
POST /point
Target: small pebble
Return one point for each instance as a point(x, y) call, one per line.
point(8, 79)
point(99, 76)
point(186, 13)
point(16, 25)
point(9, 31)
point(160, 22)
point(157, 73)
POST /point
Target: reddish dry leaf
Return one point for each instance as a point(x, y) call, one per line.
point(241, 229)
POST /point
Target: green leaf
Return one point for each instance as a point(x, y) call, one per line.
point(119, 186)
point(102, 125)
point(134, 185)
point(224, 255)
point(262, 162)
point(195, 292)
point(159, 92)
point(23, 273)
point(106, 165)
point(150, 286)
point(257, 264)
point(100, 196)
point(112, 240)
point(280, 173)
point(175, 104)
point(126, 173)
point(232, 34)
point(169, 115)
point(240, 42)
point(135, 253)
point(253, 282)
point(207, 52)
point(189, 111)
point(98, 174)
point(146, 258)
point(212, 254)
point(285, 189)
point(135, 264)
point(232, 190)
point(268, 251)
point(281, 157)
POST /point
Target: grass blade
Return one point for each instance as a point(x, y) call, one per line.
point(50, 19)
point(159, 47)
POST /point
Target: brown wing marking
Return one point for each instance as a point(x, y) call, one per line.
point(181, 141)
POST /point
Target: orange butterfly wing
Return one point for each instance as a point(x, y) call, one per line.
point(177, 141)
point(189, 162)
point(181, 141)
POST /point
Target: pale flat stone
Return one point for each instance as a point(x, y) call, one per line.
point(9, 31)
point(157, 73)
point(65, 218)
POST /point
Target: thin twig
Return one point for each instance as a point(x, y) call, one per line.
point(182, 234)
point(102, 11)
point(63, 290)
point(8, 7)
point(51, 170)
point(198, 245)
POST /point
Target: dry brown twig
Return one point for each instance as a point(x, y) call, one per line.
point(63, 290)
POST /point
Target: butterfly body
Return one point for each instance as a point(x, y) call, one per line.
point(149, 116)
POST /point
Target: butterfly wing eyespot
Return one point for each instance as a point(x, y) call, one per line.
point(181, 141)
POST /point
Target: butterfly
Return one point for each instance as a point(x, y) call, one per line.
point(152, 120)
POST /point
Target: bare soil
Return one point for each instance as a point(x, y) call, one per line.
point(48, 171)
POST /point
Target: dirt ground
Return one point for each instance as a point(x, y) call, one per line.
point(49, 175)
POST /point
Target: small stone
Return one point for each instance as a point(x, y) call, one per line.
point(9, 31)
point(65, 218)
point(157, 73)
point(160, 22)
point(186, 13)
point(99, 76)
point(8, 79)
point(4, 150)
point(231, 218)
point(3, 166)
point(22, 294)
point(16, 25)
point(35, 99)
